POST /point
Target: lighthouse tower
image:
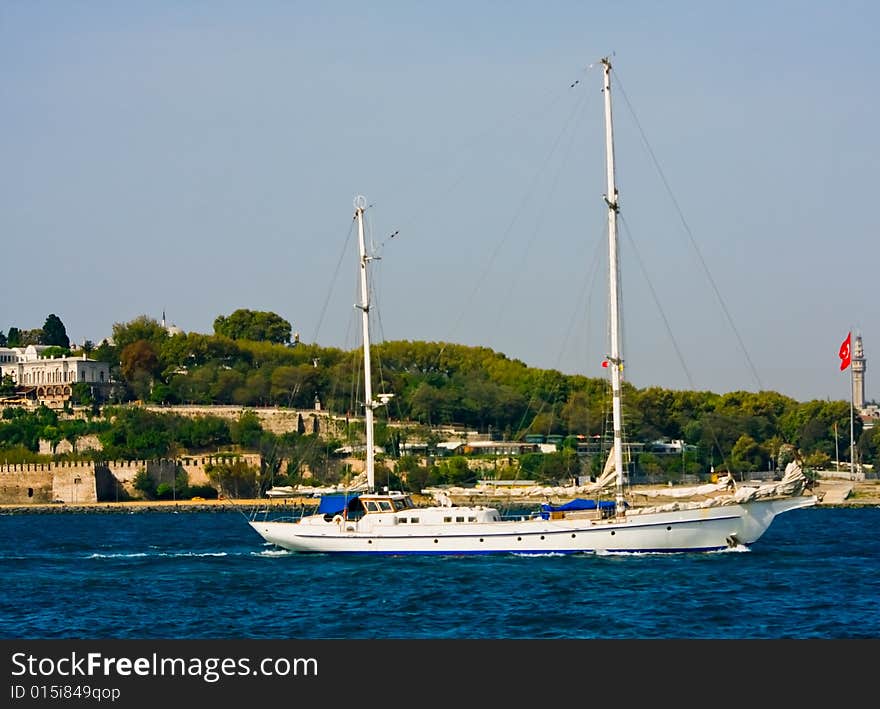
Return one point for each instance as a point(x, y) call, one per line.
point(858, 375)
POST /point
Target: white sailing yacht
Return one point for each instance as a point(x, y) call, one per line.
point(388, 522)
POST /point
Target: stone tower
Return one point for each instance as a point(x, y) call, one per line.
point(858, 375)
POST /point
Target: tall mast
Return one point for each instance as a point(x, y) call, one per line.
point(360, 204)
point(615, 359)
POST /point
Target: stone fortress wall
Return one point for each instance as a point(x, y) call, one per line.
point(78, 482)
point(86, 481)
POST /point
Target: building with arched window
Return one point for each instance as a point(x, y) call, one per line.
point(51, 379)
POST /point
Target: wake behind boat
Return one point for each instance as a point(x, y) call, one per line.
point(388, 522)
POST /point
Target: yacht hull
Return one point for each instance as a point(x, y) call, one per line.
point(700, 529)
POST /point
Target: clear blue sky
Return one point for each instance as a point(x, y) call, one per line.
point(199, 157)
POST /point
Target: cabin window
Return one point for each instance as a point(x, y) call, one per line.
point(386, 506)
point(447, 519)
point(459, 519)
point(401, 520)
point(472, 519)
point(371, 506)
point(413, 520)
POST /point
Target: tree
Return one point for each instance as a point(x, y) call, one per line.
point(247, 431)
point(748, 455)
point(54, 332)
point(179, 487)
point(145, 484)
point(13, 339)
point(235, 478)
point(30, 337)
point(139, 364)
point(141, 328)
point(105, 352)
point(409, 469)
point(456, 471)
point(2, 339)
point(7, 384)
point(244, 324)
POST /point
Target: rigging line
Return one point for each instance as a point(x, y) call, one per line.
point(333, 281)
point(691, 236)
point(356, 355)
point(567, 128)
point(675, 346)
point(505, 234)
point(656, 299)
point(467, 147)
point(555, 97)
point(585, 296)
point(376, 313)
point(586, 288)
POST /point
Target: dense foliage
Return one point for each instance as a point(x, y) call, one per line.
point(256, 325)
point(251, 363)
point(54, 332)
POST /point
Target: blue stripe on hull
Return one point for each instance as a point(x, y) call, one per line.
point(513, 552)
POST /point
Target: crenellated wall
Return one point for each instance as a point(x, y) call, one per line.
point(86, 481)
point(75, 485)
point(29, 485)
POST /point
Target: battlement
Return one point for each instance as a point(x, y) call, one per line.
point(82, 481)
point(188, 463)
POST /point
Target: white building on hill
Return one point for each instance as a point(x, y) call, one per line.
point(49, 380)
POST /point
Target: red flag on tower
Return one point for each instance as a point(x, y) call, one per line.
point(845, 354)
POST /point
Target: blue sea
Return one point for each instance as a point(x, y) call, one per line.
point(203, 575)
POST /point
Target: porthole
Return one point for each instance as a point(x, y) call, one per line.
point(612, 532)
point(436, 541)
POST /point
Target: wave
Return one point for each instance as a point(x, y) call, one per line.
point(273, 553)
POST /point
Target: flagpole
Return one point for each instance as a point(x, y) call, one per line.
point(836, 450)
point(852, 427)
point(845, 354)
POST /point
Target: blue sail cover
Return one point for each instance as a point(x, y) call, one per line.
point(334, 504)
point(576, 504)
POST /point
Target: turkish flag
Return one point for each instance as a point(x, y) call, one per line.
point(845, 353)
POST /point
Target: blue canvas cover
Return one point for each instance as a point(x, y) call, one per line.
point(334, 504)
point(576, 504)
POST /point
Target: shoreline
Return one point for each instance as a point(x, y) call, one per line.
point(145, 506)
point(835, 493)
